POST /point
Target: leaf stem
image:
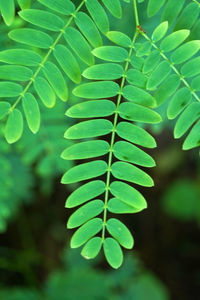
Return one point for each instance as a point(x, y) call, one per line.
point(172, 66)
point(47, 56)
point(136, 13)
point(114, 132)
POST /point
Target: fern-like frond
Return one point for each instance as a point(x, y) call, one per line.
point(41, 70)
point(121, 160)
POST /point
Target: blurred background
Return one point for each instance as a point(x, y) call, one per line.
point(35, 259)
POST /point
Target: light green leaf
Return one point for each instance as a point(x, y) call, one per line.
point(128, 195)
point(32, 112)
point(64, 7)
point(128, 172)
point(188, 17)
point(24, 3)
point(127, 152)
point(86, 149)
point(68, 63)
point(98, 14)
point(108, 71)
point(135, 134)
point(111, 53)
point(56, 79)
point(154, 6)
point(18, 73)
point(89, 29)
point(137, 62)
point(193, 138)
point(138, 96)
point(31, 37)
point(84, 171)
point(136, 78)
point(151, 62)
point(160, 31)
point(10, 89)
point(85, 192)
point(85, 213)
point(92, 109)
point(92, 248)
point(114, 7)
point(116, 206)
point(120, 232)
point(119, 38)
point(7, 11)
point(4, 109)
point(171, 10)
point(158, 75)
point(102, 89)
point(20, 57)
point(179, 101)
point(44, 91)
point(87, 129)
point(185, 52)
point(42, 19)
point(195, 84)
point(14, 126)
point(174, 39)
point(191, 68)
point(138, 113)
point(85, 232)
point(79, 45)
point(113, 253)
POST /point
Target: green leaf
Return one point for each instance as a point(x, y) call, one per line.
point(89, 29)
point(4, 109)
point(116, 206)
point(68, 63)
point(44, 91)
point(79, 45)
point(135, 134)
point(136, 77)
point(114, 7)
point(87, 129)
point(158, 75)
point(128, 172)
point(185, 52)
point(160, 31)
point(42, 19)
point(179, 101)
point(98, 14)
point(128, 195)
point(32, 112)
point(92, 248)
point(18, 73)
point(120, 232)
point(151, 62)
point(92, 109)
point(113, 253)
point(138, 96)
point(56, 79)
point(85, 192)
point(85, 232)
point(10, 89)
point(108, 71)
point(137, 62)
point(119, 38)
point(171, 10)
point(24, 3)
point(64, 7)
point(154, 6)
point(195, 84)
point(14, 126)
point(193, 138)
point(84, 171)
point(31, 37)
point(111, 53)
point(174, 39)
point(186, 119)
point(127, 152)
point(188, 17)
point(138, 113)
point(86, 149)
point(85, 213)
point(7, 11)
point(102, 89)
point(191, 68)
point(20, 57)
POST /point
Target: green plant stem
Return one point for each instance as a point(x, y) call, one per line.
point(136, 13)
point(172, 66)
point(113, 134)
point(195, 1)
point(46, 56)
